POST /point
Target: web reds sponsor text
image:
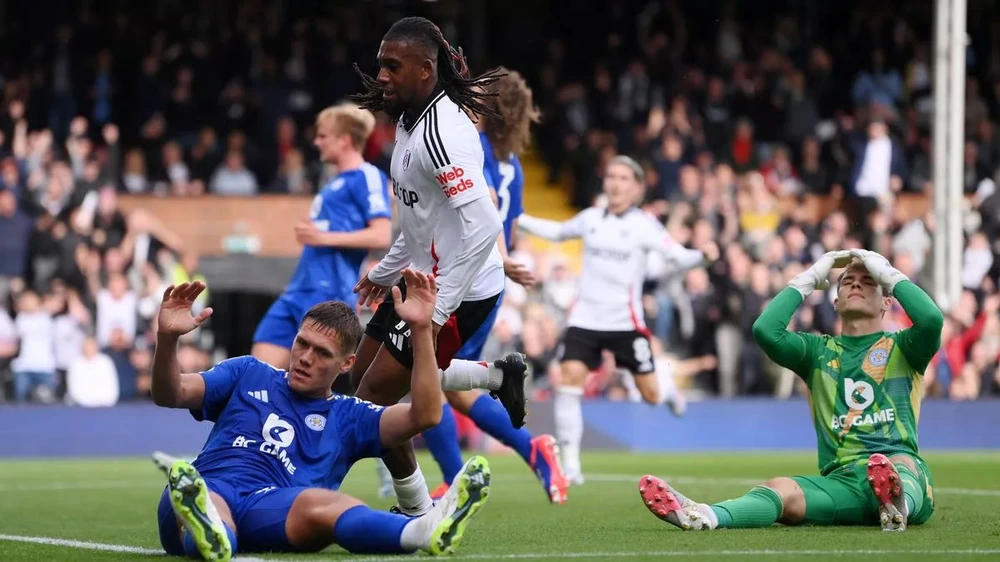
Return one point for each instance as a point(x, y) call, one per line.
point(453, 181)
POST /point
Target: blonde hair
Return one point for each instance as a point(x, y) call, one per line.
point(631, 164)
point(351, 120)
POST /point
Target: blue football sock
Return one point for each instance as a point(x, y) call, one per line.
point(362, 530)
point(442, 442)
point(490, 416)
point(191, 549)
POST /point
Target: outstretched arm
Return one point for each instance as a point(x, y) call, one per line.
point(170, 387)
point(375, 236)
point(371, 288)
point(402, 422)
point(386, 271)
point(552, 230)
point(658, 240)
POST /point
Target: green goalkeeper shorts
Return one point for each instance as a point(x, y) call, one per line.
point(844, 496)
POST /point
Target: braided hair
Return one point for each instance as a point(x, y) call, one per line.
point(453, 71)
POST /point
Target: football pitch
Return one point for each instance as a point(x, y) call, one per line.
point(105, 509)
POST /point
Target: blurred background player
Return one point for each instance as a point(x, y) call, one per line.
point(502, 138)
point(449, 227)
point(866, 388)
point(349, 217)
point(607, 313)
point(283, 441)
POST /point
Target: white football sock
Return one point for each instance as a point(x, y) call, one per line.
point(412, 495)
point(665, 381)
point(417, 533)
point(467, 375)
point(709, 513)
point(569, 426)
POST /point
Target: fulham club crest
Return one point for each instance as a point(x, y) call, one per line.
point(406, 160)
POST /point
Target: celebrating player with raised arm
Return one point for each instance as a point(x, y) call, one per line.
point(282, 441)
point(449, 227)
point(502, 139)
point(607, 314)
point(347, 218)
point(865, 389)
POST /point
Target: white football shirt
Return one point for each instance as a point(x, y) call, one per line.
point(615, 250)
point(448, 223)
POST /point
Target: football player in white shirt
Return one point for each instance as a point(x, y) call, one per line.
point(607, 313)
point(503, 139)
point(449, 228)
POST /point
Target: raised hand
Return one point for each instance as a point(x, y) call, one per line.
point(421, 295)
point(818, 276)
point(175, 316)
point(880, 269)
point(841, 258)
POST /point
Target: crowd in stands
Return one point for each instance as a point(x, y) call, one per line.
point(730, 126)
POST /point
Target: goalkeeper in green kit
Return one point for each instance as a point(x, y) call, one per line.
point(865, 388)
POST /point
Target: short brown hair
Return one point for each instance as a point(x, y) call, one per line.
point(351, 120)
point(340, 319)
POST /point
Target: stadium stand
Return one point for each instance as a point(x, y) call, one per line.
point(127, 157)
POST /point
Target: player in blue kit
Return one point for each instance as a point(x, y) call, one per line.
point(266, 479)
point(347, 218)
point(502, 139)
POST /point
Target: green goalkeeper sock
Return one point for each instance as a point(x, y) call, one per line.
point(760, 507)
point(911, 488)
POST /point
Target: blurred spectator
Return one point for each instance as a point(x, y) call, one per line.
point(15, 234)
point(35, 365)
point(233, 177)
point(766, 139)
point(116, 312)
point(92, 381)
point(8, 348)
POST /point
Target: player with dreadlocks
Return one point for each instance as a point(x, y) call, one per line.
point(502, 139)
point(449, 228)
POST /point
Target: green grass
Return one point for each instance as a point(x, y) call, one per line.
point(114, 501)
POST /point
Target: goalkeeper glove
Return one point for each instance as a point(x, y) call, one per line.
point(818, 276)
point(880, 269)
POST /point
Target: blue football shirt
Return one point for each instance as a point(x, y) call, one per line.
point(489, 161)
point(506, 177)
point(347, 203)
point(266, 435)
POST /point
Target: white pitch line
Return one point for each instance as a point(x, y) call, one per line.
point(99, 546)
point(85, 545)
point(685, 553)
point(104, 547)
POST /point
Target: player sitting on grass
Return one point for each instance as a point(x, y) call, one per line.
point(282, 441)
point(865, 390)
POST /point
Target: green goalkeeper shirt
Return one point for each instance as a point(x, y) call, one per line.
point(864, 391)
